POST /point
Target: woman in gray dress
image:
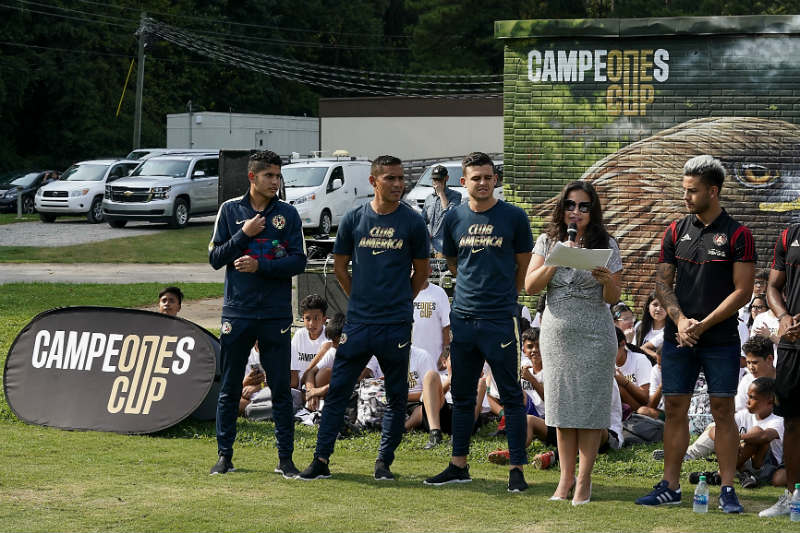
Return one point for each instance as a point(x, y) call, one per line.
point(578, 342)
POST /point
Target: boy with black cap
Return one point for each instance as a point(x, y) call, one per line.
point(437, 205)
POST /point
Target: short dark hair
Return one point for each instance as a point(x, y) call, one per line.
point(709, 170)
point(620, 337)
point(172, 290)
point(764, 386)
point(476, 159)
point(758, 346)
point(335, 326)
point(313, 301)
point(383, 161)
point(762, 274)
point(531, 334)
point(259, 161)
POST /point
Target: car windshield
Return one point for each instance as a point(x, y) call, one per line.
point(85, 172)
point(303, 176)
point(453, 176)
point(26, 180)
point(137, 154)
point(162, 167)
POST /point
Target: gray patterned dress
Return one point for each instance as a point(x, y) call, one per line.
point(578, 346)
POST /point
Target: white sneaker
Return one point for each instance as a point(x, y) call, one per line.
point(780, 508)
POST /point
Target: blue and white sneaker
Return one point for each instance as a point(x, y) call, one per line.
point(728, 501)
point(661, 495)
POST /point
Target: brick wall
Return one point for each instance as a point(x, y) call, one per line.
point(629, 125)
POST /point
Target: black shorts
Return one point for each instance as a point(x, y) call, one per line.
point(787, 383)
point(445, 418)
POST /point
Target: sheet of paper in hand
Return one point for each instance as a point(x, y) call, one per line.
point(579, 258)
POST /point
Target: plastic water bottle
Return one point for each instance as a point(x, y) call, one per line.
point(701, 496)
point(794, 505)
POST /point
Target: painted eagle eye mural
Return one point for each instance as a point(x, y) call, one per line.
point(640, 186)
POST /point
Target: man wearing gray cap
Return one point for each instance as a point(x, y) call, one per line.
point(437, 204)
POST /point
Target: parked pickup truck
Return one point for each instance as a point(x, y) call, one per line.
point(166, 188)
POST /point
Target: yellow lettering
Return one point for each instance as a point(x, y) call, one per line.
point(121, 382)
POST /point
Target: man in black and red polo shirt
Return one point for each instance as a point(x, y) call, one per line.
point(710, 259)
point(783, 296)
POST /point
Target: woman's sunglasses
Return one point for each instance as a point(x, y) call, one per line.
point(583, 207)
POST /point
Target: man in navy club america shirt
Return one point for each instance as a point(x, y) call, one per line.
point(259, 240)
point(386, 241)
point(705, 274)
point(488, 244)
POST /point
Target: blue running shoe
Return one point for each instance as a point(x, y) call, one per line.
point(661, 495)
point(728, 501)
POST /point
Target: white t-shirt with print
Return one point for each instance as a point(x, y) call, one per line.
point(747, 421)
point(420, 363)
point(431, 315)
point(304, 349)
point(375, 367)
point(538, 401)
point(637, 368)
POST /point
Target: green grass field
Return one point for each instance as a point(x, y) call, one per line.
point(55, 480)
point(189, 245)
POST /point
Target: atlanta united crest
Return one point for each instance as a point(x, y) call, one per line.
point(720, 239)
point(279, 221)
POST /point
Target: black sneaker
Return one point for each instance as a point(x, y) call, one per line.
point(223, 466)
point(382, 472)
point(434, 439)
point(516, 480)
point(316, 470)
point(451, 474)
point(287, 469)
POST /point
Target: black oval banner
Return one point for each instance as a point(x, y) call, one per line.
point(108, 369)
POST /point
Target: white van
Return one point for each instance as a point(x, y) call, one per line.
point(324, 189)
point(424, 187)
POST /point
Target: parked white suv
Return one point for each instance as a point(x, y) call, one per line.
point(79, 191)
point(324, 189)
point(165, 188)
point(424, 187)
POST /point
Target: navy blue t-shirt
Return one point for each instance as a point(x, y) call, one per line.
point(486, 245)
point(381, 249)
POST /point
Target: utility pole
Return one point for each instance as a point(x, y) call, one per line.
point(137, 121)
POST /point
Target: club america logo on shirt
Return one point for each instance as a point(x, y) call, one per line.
point(278, 221)
point(720, 239)
point(343, 338)
point(226, 328)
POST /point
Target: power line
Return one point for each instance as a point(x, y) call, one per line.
point(291, 63)
point(318, 75)
point(246, 25)
point(96, 53)
point(81, 19)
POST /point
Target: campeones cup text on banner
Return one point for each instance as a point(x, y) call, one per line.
point(108, 369)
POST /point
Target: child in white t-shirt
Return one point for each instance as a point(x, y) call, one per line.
point(759, 357)
point(761, 438)
point(632, 374)
point(307, 341)
point(431, 330)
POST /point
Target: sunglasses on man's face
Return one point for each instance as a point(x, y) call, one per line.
point(583, 207)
